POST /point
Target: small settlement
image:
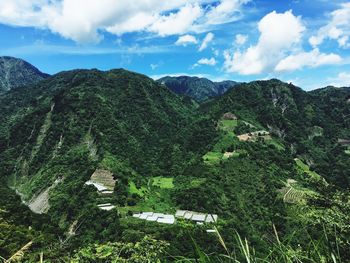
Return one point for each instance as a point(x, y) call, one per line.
point(253, 136)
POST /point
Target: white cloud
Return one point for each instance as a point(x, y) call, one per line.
point(176, 23)
point(226, 11)
point(154, 66)
point(207, 61)
point(186, 40)
point(208, 38)
point(279, 34)
point(85, 21)
point(342, 80)
point(312, 59)
point(216, 52)
point(338, 28)
point(241, 39)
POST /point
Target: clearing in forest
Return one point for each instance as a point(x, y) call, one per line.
point(220, 149)
point(163, 182)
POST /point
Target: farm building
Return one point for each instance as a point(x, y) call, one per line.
point(344, 142)
point(156, 217)
point(252, 136)
point(106, 207)
point(197, 217)
point(98, 186)
point(228, 154)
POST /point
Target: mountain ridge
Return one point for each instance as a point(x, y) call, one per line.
point(16, 72)
point(199, 89)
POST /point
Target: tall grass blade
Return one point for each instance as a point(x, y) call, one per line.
point(20, 253)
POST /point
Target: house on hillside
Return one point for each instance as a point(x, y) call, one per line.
point(229, 116)
point(344, 142)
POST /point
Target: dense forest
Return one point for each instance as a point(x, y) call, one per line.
point(271, 160)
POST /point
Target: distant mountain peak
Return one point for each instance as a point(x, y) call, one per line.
point(199, 89)
point(15, 72)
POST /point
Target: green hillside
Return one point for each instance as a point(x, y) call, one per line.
point(264, 158)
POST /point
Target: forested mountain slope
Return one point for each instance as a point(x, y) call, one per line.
point(264, 157)
point(310, 123)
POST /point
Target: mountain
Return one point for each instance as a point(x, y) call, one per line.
point(199, 89)
point(310, 123)
point(56, 133)
point(84, 152)
point(16, 72)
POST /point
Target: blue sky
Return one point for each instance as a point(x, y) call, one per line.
point(306, 42)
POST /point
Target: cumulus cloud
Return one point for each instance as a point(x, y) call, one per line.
point(241, 39)
point(312, 59)
point(85, 21)
point(206, 41)
point(186, 40)
point(206, 62)
point(338, 28)
point(176, 23)
point(279, 33)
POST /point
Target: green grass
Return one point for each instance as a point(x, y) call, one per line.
point(228, 125)
point(163, 182)
point(212, 158)
point(225, 141)
point(134, 190)
point(155, 196)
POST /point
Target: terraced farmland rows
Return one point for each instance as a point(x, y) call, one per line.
point(293, 196)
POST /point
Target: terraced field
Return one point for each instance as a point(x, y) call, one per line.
point(292, 195)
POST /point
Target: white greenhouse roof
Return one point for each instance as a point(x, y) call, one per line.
point(198, 217)
point(166, 220)
point(180, 213)
point(98, 186)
